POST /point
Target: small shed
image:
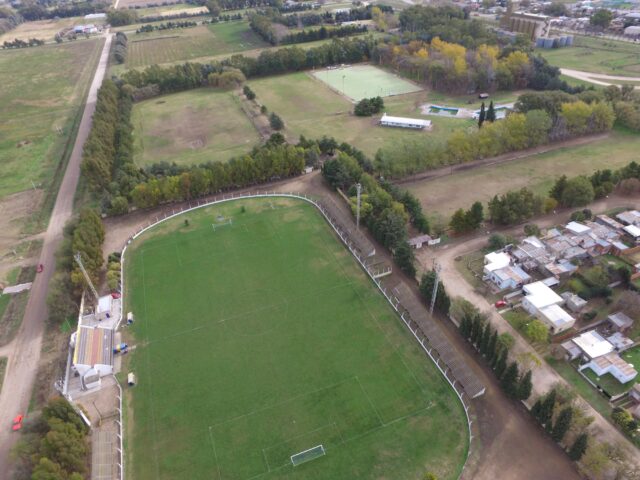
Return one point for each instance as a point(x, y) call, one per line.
point(483, 96)
point(418, 242)
point(131, 379)
point(620, 322)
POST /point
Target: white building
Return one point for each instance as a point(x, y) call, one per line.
point(495, 261)
point(93, 351)
point(577, 228)
point(402, 122)
point(633, 232)
point(613, 364)
point(539, 296)
point(556, 318)
point(593, 345)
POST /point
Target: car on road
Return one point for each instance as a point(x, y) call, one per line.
point(40, 268)
point(500, 304)
point(17, 422)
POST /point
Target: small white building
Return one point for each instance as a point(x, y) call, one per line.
point(633, 232)
point(577, 228)
point(613, 364)
point(402, 122)
point(592, 344)
point(539, 296)
point(630, 217)
point(495, 261)
point(509, 277)
point(556, 318)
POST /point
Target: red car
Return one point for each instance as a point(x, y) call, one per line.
point(17, 422)
point(501, 303)
point(40, 268)
point(115, 295)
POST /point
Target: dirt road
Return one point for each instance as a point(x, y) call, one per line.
point(23, 359)
point(544, 377)
point(598, 78)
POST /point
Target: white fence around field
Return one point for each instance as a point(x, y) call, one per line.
point(340, 231)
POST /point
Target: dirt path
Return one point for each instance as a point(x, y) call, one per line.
point(598, 78)
point(23, 359)
point(512, 444)
point(544, 377)
point(500, 159)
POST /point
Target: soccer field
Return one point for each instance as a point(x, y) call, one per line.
point(365, 81)
point(261, 338)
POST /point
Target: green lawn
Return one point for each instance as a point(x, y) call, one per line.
point(632, 356)
point(310, 108)
point(42, 89)
point(537, 172)
point(191, 127)
point(596, 55)
point(263, 338)
point(180, 45)
point(608, 382)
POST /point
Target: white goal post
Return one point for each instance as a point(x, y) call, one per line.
point(214, 226)
point(307, 455)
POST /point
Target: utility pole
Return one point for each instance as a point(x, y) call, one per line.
point(434, 295)
point(78, 258)
point(359, 191)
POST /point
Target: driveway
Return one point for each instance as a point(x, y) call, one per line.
point(23, 361)
point(598, 78)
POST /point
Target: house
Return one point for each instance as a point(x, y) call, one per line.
point(630, 217)
point(573, 302)
point(618, 248)
point(572, 351)
point(613, 364)
point(609, 222)
point(620, 322)
point(560, 269)
point(402, 122)
point(633, 232)
point(509, 277)
point(577, 228)
point(495, 261)
point(531, 254)
point(620, 342)
point(538, 296)
point(634, 393)
point(556, 318)
point(592, 344)
point(417, 242)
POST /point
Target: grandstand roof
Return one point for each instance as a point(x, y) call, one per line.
point(94, 346)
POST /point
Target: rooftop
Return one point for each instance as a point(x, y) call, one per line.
point(593, 344)
point(629, 217)
point(540, 296)
point(620, 320)
point(94, 346)
point(405, 121)
point(632, 230)
point(512, 272)
point(613, 359)
point(557, 316)
point(496, 260)
point(577, 228)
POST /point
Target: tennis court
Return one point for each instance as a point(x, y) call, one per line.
point(365, 81)
point(264, 352)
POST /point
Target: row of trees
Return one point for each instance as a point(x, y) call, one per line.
point(54, 445)
point(186, 76)
point(323, 33)
point(369, 106)
point(167, 26)
point(38, 10)
point(18, 43)
point(120, 47)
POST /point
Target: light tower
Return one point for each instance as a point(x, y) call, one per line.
point(359, 191)
point(78, 258)
point(434, 295)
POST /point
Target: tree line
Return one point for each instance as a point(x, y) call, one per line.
point(120, 47)
point(54, 445)
point(18, 43)
point(166, 26)
point(31, 11)
point(323, 33)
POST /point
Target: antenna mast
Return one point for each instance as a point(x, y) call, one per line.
point(78, 258)
point(434, 295)
point(359, 191)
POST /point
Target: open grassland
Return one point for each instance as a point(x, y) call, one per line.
point(263, 338)
point(42, 91)
point(42, 29)
point(365, 81)
point(191, 127)
point(185, 44)
point(310, 108)
point(441, 197)
point(596, 55)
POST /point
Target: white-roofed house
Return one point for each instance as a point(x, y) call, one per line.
point(633, 232)
point(630, 217)
point(556, 318)
point(509, 277)
point(593, 345)
point(578, 228)
point(613, 364)
point(495, 261)
point(543, 303)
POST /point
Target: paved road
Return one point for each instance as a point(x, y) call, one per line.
point(23, 360)
point(598, 78)
point(544, 376)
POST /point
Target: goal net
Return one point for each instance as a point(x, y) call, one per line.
point(307, 455)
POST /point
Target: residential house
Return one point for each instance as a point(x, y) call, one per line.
point(509, 277)
point(613, 364)
point(630, 217)
point(633, 233)
point(573, 302)
point(495, 261)
point(620, 342)
point(620, 322)
point(592, 345)
point(609, 222)
point(543, 303)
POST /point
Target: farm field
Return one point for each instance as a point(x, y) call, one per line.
point(42, 29)
point(191, 127)
point(310, 108)
point(365, 81)
point(597, 56)
point(536, 172)
point(190, 43)
point(42, 89)
point(262, 338)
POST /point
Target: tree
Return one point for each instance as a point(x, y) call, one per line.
point(546, 410)
point(275, 122)
point(537, 331)
point(506, 341)
point(536, 410)
point(482, 116)
point(497, 242)
point(558, 188)
point(458, 221)
point(601, 18)
point(492, 349)
point(531, 229)
point(623, 418)
point(501, 364)
point(577, 192)
point(579, 447)
point(405, 259)
point(562, 424)
point(475, 216)
point(485, 339)
point(48, 470)
point(509, 381)
point(556, 9)
point(214, 8)
point(426, 289)
point(250, 94)
point(525, 386)
point(491, 113)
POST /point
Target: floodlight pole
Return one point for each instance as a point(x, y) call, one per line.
point(436, 269)
point(78, 258)
point(359, 191)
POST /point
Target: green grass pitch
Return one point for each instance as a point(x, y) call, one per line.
point(365, 81)
point(261, 339)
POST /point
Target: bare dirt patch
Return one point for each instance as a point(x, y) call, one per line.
point(13, 210)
